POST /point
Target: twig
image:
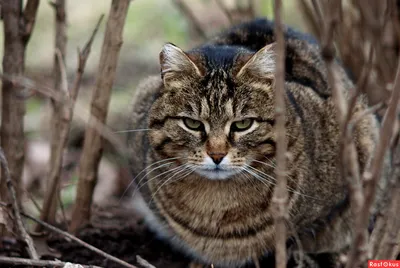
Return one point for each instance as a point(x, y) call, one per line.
point(21, 228)
point(372, 175)
point(83, 55)
point(29, 19)
point(81, 110)
point(65, 113)
point(40, 263)
point(143, 262)
point(58, 114)
point(390, 239)
point(61, 205)
point(92, 148)
point(280, 196)
point(311, 18)
point(383, 240)
point(79, 241)
point(225, 10)
point(184, 8)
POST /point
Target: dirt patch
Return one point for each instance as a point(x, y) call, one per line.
point(124, 244)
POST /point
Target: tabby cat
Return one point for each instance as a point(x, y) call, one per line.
point(206, 167)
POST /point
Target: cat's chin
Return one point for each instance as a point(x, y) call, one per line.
point(216, 174)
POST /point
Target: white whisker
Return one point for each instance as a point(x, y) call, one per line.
point(155, 163)
point(132, 130)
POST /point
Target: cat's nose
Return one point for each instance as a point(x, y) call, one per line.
point(217, 157)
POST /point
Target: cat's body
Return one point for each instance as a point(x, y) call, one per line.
point(212, 115)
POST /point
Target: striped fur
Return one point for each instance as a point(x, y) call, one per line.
point(228, 222)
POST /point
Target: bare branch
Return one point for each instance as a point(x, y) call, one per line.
point(82, 58)
point(184, 8)
point(81, 110)
point(143, 262)
point(92, 149)
point(29, 17)
point(59, 115)
point(14, 201)
point(372, 175)
point(280, 196)
point(64, 121)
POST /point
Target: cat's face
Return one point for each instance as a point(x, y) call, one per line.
point(216, 112)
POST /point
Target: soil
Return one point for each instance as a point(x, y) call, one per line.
point(125, 244)
point(123, 235)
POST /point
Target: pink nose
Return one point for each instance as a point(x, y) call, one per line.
point(217, 157)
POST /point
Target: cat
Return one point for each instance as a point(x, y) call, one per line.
point(206, 166)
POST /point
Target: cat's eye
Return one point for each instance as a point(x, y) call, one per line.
point(193, 124)
point(242, 125)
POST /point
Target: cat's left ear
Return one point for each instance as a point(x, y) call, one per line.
point(260, 64)
point(175, 64)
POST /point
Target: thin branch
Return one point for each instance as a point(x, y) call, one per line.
point(14, 201)
point(83, 55)
point(225, 10)
point(79, 241)
point(143, 262)
point(81, 110)
point(59, 114)
point(372, 175)
point(93, 144)
point(39, 263)
point(310, 17)
point(390, 240)
point(29, 18)
point(280, 196)
point(185, 9)
point(64, 121)
point(383, 242)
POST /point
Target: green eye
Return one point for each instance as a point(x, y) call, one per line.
point(242, 125)
point(192, 124)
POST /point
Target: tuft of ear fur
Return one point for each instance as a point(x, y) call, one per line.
point(261, 64)
point(174, 61)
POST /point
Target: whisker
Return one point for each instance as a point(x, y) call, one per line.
point(257, 176)
point(132, 130)
point(155, 163)
point(289, 188)
point(274, 166)
point(184, 168)
point(268, 165)
point(151, 179)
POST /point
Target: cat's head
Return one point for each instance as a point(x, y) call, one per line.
point(215, 113)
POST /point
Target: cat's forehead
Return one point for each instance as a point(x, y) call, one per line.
point(218, 57)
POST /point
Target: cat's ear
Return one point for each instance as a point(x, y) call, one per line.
point(175, 63)
point(260, 64)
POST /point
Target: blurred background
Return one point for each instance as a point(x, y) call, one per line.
point(149, 24)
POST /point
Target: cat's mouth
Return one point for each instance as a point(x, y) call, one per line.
point(216, 173)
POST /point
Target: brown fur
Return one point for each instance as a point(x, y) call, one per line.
point(228, 222)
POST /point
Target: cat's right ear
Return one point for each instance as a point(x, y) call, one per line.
point(176, 64)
